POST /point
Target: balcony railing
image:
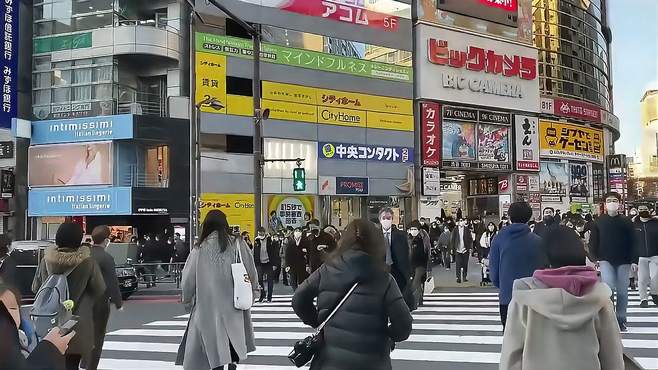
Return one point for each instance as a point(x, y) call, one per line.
point(135, 179)
point(136, 102)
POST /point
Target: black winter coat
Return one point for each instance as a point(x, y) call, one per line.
point(419, 256)
point(613, 240)
point(401, 268)
point(44, 357)
point(317, 257)
point(273, 249)
point(296, 258)
point(86, 286)
point(8, 270)
point(646, 237)
point(359, 335)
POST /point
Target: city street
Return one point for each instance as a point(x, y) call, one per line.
point(458, 329)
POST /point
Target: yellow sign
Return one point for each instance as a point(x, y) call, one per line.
point(291, 111)
point(210, 80)
point(289, 210)
point(342, 117)
point(240, 105)
point(239, 209)
point(569, 141)
point(341, 107)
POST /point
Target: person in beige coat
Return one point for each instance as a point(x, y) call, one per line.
point(562, 318)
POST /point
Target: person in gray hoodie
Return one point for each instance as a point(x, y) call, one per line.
point(562, 318)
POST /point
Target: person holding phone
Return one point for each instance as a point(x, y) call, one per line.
point(48, 354)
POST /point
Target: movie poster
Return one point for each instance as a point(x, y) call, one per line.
point(493, 143)
point(579, 184)
point(458, 141)
point(553, 178)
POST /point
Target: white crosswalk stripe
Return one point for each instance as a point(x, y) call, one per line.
point(451, 328)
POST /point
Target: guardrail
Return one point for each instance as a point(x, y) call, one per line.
point(155, 272)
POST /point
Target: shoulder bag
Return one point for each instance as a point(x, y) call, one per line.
point(304, 350)
point(243, 296)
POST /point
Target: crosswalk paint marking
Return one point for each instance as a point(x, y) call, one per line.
point(115, 364)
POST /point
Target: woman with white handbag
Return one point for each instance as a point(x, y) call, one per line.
point(219, 282)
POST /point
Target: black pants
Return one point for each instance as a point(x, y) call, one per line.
point(446, 257)
point(265, 272)
point(503, 315)
point(101, 315)
point(461, 262)
point(73, 362)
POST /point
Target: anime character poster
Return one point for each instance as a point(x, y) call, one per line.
point(493, 143)
point(458, 140)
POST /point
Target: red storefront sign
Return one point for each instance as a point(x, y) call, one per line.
point(522, 182)
point(509, 5)
point(482, 60)
point(431, 134)
point(571, 109)
point(342, 12)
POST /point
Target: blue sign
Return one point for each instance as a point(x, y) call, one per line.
point(79, 201)
point(365, 152)
point(102, 128)
point(9, 62)
point(352, 186)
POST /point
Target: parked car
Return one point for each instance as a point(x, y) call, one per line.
point(28, 253)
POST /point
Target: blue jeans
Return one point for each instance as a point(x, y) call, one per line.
point(617, 278)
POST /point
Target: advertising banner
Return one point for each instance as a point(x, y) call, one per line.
point(579, 185)
point(554, 180)
point(572, 109)
point(463, 68)
point(289, 210)
point(431, 181)
point(431, 133)
point(493, 143)
point(70, 164)
point(458, 141)
point(210, 78)
point(239, 209)
point(365, 152)
point(618, 174)
point(331, 185)
point(9, 62)
point(82, 129)
point(79, 201)
point(74, 110)
point(343, 108)
point(7, 184)
point(526, 135)
point(271, 53)
point(568, 141)
point(499, 11)
point(6, 149)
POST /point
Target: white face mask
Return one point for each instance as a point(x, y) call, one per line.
point(386, 223)
point(297, 234)
point(612, 207)
point(491, 228)
point(414, 232)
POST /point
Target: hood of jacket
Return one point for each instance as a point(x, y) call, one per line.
point(514, 230)
point(355, 266)
point(59, 260)
point(547, 293)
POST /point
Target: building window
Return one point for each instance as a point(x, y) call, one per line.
point(62, 95)
point(82, 93)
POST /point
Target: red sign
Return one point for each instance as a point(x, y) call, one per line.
point(482, 60)
point(431, 134)
point(509, 5)
point(571, 109)
point(342, 12)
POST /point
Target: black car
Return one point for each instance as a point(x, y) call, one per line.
point(127, 280)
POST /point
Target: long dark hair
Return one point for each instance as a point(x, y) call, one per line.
point(365, 236)
point(215, 222)
point(495, 230)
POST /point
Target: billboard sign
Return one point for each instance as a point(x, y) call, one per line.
point(470, 69)
point(526, 134)
point(553, 181)
point(9, 62)
point(498, 11)
point(431, 133)
point(70, 164)
point(79, 201)
point(83, 129)
point(431, 181)
point(570, 141)
point(379, 153)
point(238, 208)
point(572, 109)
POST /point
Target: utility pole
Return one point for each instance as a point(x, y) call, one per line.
point(259, 115)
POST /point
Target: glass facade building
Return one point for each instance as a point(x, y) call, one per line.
point(573, 39)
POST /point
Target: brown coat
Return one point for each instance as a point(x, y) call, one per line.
point(86, 285)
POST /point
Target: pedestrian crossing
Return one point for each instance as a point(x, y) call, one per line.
point(454, 331)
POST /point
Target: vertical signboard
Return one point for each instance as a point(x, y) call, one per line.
point(431, 181)
point(210, 80)
point(579, 189)
point(617, 175)
point(526, 133)
point(9, 65)
point(431, 134)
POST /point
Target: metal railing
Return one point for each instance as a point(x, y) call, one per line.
point(133, 101)
point(142, 180)
point(157, 272)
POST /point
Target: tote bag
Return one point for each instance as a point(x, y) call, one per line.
point(243, 295)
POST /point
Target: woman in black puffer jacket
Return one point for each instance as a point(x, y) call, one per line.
point(359, 335)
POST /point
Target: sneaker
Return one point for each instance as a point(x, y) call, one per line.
point(232, 367)
point(654, 298)
point(459, 281)
point(261, 300)
point(623, 328)
point(269, 300)
point(644, 304)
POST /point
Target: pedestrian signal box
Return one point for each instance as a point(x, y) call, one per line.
point(299, 179)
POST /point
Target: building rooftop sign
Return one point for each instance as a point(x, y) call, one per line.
point(101, 128)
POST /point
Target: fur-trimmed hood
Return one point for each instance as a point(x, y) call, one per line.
point(59, 260)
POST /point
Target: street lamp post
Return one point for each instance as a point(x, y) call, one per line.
point(259, 115)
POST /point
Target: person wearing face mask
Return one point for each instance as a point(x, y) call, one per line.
point(397, 253)
point(424, 224)
point(612, 243)
point(444, 244)
point(646, 237)
point(461, 244)
point(266, 258)
point(548, 221)
point(486, 239)
point(321, 245)
point(419, 261)
point(101, 238)
point(296, 257)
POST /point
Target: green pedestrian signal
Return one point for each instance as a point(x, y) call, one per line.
point(299, 179)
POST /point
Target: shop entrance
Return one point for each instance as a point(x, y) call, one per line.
point(344, 210)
